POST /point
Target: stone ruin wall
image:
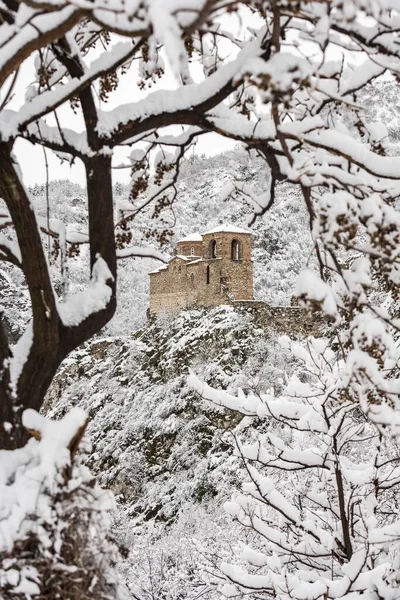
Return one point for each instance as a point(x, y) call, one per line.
point(291, 320)
point(173, 289)
point(184, 285)
point(240, 276)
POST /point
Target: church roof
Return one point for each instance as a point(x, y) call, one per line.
point(226, 228)
point(193, 237)
point(182, 257)
point(163, 268)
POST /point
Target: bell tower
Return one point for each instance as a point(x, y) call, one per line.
point(228, 251)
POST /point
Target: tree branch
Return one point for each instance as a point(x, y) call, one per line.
point(34, 36)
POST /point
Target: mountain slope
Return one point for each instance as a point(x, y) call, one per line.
point(165, 452)
point(146, 423)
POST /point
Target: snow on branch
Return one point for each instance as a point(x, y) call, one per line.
point(75, 309)
point(37, 29)
point(127, 118)
point(67, 142)
point(51, 99)
point(352, 150)
point(20, 354)
point(310, 286)
point(299, 414)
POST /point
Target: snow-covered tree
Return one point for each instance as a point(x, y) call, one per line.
point(54, 524)
point(275, 75)
point(79, 57)
point(322, 495)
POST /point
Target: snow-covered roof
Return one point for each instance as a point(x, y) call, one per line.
point(182, 257)
point(163, 268)
point(193, 237)
point(225, 227)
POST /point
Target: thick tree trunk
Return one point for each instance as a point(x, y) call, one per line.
point(102, 243)
point(40, 354)
point(34, 358)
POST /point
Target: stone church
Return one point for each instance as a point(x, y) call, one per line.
point(209, 269)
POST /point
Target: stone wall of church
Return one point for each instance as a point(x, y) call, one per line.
point(209, 281)
point(186, 247)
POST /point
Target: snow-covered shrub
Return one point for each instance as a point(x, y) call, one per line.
point(322, 491)
point(53, 517)
point(177, 563)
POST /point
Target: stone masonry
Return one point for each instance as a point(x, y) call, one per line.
point(208, 269)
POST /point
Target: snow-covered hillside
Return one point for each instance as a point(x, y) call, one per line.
point(165, 452)
point(146, 421)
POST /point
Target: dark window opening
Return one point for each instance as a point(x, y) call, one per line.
point(235, 250)
point(213, 249)
point(192, 280)
point(208, 274)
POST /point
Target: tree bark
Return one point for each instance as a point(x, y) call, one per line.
point(38, 357)
point(102, 243)
point(51, 340)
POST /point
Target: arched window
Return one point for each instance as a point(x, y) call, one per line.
point(192, 251)
point(192, 280)
point(208, 274)
point(213, 249)
point(235, 250)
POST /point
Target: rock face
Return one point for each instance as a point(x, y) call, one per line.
point(209, 269)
